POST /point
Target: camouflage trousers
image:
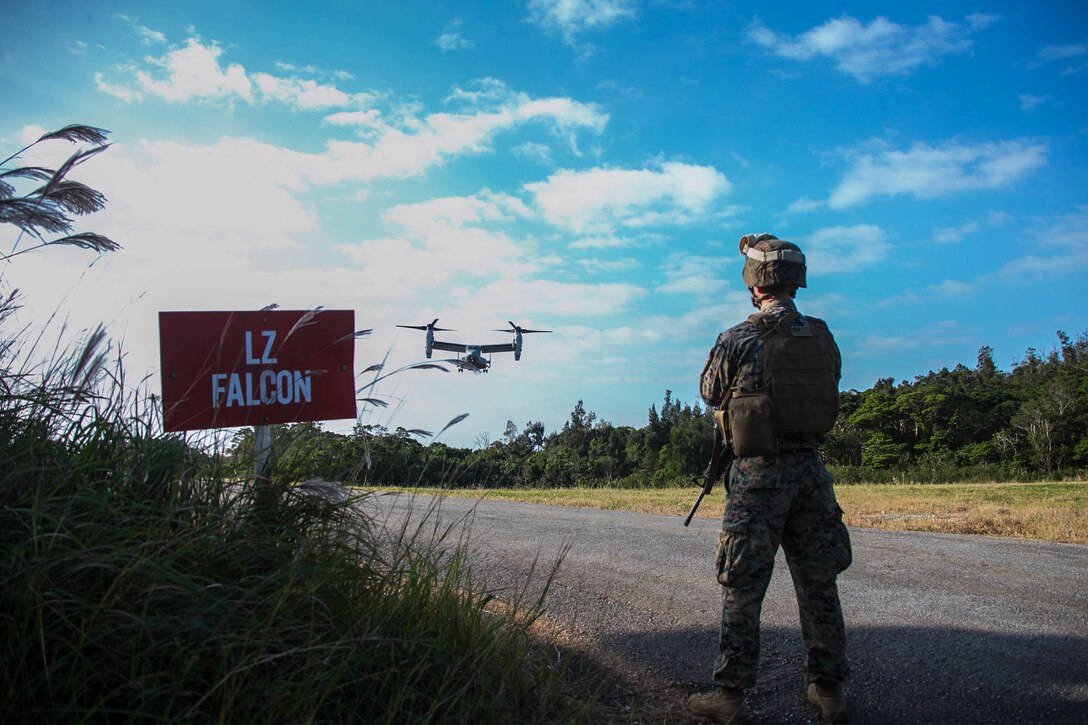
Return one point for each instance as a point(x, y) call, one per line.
point(788, 501)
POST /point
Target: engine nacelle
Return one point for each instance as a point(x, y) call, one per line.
point(517, 344)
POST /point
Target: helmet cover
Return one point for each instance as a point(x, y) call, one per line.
point(770, 261)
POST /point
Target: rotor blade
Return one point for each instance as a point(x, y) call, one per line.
point(515, 328)
point(427, 327)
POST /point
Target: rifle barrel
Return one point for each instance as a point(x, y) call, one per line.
point(695, 506)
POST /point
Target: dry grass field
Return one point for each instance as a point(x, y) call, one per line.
point(1046, 511)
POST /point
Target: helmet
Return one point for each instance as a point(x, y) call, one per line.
point(770, 261)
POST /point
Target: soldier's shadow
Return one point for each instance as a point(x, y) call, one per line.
point(898, 674)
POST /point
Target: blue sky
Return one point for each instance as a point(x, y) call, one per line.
point(585, 166)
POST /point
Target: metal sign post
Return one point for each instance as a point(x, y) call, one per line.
point(262, 453)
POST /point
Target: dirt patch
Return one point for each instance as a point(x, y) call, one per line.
point(619, 690)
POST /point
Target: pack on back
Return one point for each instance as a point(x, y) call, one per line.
point(801, 365)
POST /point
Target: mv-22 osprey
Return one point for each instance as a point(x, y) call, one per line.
point(473, 359)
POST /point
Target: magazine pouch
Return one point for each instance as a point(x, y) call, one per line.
point(751, 424)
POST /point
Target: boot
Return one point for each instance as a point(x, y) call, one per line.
point(724, 705)
point(828, 697)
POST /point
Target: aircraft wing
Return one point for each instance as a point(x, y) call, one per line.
point(504, 347)
point(450, 346)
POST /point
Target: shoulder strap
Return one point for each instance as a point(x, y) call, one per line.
point(766, 324)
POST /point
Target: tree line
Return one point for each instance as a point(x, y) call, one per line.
point(950, 424)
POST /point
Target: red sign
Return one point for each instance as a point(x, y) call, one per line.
point(224, 369)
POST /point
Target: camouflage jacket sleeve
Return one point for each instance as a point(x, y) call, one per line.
point(734, 361)
point(717, 374)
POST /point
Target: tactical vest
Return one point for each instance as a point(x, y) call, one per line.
point(800, 373)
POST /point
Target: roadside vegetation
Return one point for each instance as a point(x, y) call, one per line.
point(1045, 511)
point(145, 577)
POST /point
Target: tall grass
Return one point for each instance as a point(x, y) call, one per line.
point(140, 581)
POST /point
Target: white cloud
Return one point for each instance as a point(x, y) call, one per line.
point(881, 47)
point(364, 119)
point(565, 115)
point(1066, 231)
point(981, 21)
point(1060, 52)
point(563, 112)
point(949, 235)
point(804, 205)
point(481, 90)
point(929, 172)
point(120, 92)
point(149, 36)
point(442, 241)
point(291, 67)
point(1030, 103)
point(845, 249)
point(1059, 247)
point(604, 242)
point(194, 73)
point(573, 17)
point(937, 334)
point(398, 152)
point(951, 288)
point(883, 344)
point(437, 215)
point(451, 37)
point(692, 274)
point(1072, 57)
point(411, 145)
point(548, 297)
point(300, 93)
point(600, 266)
point(401, 146)
point(235, 192)
point(535, 151)
point(599, 199)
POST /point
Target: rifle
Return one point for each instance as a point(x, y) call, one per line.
point(720, 459)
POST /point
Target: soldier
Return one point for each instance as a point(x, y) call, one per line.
point(774, 377)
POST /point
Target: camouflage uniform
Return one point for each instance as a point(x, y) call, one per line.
point(787, 501)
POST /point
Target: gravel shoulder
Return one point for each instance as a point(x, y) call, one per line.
point(941, 628)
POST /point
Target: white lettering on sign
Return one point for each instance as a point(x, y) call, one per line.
point(266, 357)
point(265, 387)
point(268, 387)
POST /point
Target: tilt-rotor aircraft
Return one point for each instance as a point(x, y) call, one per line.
point(473, 359)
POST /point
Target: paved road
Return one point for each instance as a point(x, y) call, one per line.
point(941, 628)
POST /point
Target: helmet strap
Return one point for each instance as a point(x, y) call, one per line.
point(757, 300)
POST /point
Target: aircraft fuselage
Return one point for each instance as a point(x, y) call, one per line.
point(474, 359)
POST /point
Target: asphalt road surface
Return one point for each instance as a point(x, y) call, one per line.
point(941, 628)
